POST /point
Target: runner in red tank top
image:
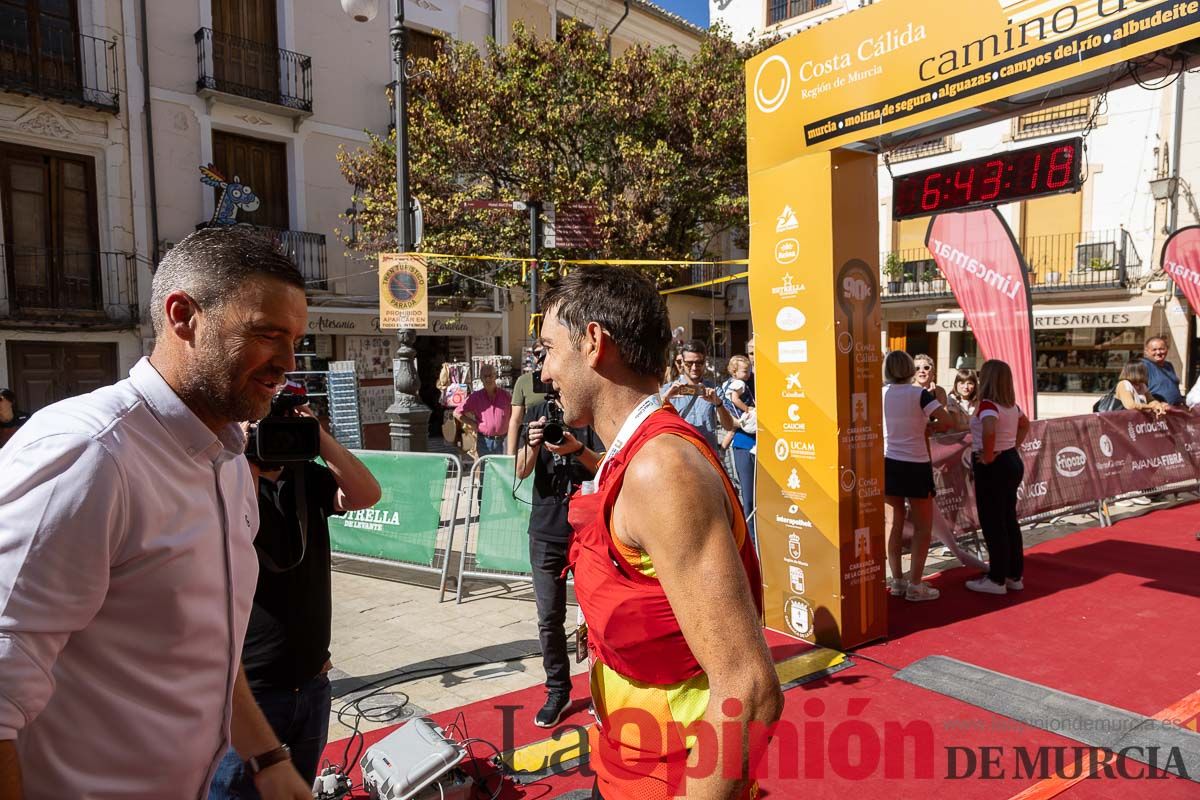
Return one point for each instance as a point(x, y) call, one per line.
point(664, 571)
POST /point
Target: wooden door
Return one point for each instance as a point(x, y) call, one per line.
point(50, 228)
point(261, 165)
point(46, 372)
point(246, 47)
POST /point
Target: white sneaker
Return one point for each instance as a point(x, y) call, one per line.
point(1014, 586)
point(986, 586)
point(898, 587)
point(921, 592)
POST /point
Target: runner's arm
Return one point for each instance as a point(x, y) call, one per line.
point(684, 526)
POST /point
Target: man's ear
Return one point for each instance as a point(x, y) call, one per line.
point(182, 315)
point(593, 344)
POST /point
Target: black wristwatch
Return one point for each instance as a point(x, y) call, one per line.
point(258, 763)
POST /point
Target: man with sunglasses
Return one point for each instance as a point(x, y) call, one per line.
point(695, 397)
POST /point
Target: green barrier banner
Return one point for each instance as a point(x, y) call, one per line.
point(502, 540)
point(403, 525)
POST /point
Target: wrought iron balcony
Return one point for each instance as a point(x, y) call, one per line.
point(68, 287)
point(306, 249)
point(58, 65)
point(254, 71)
point(1057, 262)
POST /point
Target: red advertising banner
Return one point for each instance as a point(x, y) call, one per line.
point(1076, 461)
point(976, 252)
point(1181, 261)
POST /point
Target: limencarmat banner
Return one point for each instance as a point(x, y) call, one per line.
point(1076, 461)
point(1181, 261)
point(895, 64)
point(977, 253)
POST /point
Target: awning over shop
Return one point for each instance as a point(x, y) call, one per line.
point(1059, 317)
point(365, 322)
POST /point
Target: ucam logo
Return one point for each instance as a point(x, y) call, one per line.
point(787, 251)
point(775, 76)
point(1070, 462)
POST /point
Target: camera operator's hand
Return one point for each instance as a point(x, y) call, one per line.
point(711, 395)
point(673, 390)
point(535, 432)
point(570, 446)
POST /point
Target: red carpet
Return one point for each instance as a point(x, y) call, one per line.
point(1106, 615)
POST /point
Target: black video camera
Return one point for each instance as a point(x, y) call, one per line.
point(555, 432)
point(282, 437)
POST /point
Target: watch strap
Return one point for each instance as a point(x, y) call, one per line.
point(258, 763)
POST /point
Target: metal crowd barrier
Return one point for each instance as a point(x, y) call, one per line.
point(496, 541)
point(414, 522)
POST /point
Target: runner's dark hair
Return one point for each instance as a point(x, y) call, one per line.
point(624, 303)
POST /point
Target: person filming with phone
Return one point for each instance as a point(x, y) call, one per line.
point(695, 397)
point(560, 459)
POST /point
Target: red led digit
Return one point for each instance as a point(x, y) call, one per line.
point(995, 169)
point(1037, 166)
point(1059, 174)
point(931, 197)
point(969, 185)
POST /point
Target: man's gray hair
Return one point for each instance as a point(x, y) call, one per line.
point(213, 263)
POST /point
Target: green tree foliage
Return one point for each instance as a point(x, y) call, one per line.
point(655, 139)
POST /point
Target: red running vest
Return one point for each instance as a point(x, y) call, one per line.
point(631, 627)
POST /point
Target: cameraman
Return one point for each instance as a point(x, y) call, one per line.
point(286, 653)
point(558, 469)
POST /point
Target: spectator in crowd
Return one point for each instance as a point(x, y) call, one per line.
point(997, 430)
point(524, 395)
point(963, 398)
point(488, 411)
point(127, 564)
point(908, 412)
point(695, 397)
point(750, 380)
point(926, 377)
point(286, 653)
point(10, 418)
point(665, 571)
point(1160, 373)
point(1133, 392)
point(558, 470)
point(739, 402)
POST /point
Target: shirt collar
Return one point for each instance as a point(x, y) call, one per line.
point(193, 435)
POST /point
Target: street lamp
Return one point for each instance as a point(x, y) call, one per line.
point(409, 416)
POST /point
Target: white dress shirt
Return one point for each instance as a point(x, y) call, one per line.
point(127, 571)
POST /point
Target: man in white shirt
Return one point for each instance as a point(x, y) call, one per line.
point(127, 567)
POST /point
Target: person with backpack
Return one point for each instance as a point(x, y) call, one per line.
point(997, 430)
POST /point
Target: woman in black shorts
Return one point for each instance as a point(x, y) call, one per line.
point(908, 412)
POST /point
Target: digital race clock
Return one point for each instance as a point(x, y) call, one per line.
point(1001, 178)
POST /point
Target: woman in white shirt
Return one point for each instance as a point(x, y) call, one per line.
point(908, 411)
point(997, 430)
point(1134, 392)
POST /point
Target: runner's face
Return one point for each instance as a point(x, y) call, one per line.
point(567, 369)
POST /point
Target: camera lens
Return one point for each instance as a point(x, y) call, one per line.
point(554, 433)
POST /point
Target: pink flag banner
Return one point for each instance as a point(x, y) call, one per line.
point(977, 254)
point(1181, 261)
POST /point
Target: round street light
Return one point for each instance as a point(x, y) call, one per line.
point(361, 10)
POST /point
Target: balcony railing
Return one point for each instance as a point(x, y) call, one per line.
point(307, 250)
point(1057, 262)
point(68, 287)
point(254, 71)
point(782, 10)
point(58, 65)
